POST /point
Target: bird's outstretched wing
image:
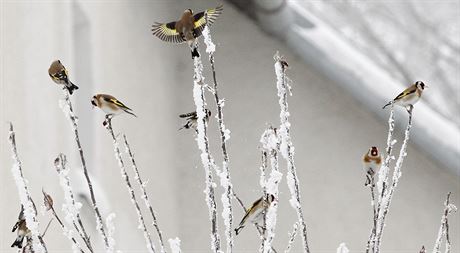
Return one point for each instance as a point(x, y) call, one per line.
point(200, 18)
point(167, 32)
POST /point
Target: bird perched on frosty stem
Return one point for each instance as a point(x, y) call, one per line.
point(409, 96)
point(59, 75)
point(110, 105)
point(255, 213)
point(187, 28)
point(21, 227)
point(372, 160)
point(192, 119)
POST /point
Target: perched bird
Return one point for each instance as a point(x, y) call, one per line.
point(110, 105)
point(192, 119)
point(409, 96)
point(255, 213)
point(187, 28)
point(59, 75)
point(372, 160)
point(23, 231)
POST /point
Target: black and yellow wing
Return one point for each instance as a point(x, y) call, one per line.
point(167, 32)
point(406, 92)
point(200, 18)
point(188, 115)
point(117, 103)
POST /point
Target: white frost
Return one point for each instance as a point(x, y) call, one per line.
point(342, 248)
point(175, 245)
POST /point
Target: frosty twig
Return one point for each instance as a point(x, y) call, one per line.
point(30, 212)
point(66, 106)
point(444, 229)
point(292, 237)
point(203, 145)
point(286, 147)
point(125, 176)
point(225, 179)
point(71, 207)
point(144, 193)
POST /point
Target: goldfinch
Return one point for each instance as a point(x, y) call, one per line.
point(59, 75)
point(22, 229)
point(192, 119)
point(187, 28)
point(409, 96)
point(110, 105)
point(255, 213)
point(372, 160)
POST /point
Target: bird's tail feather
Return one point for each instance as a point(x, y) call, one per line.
point(195, 52)
point(238, 229)
point(18, 242)
point(72, 87)
point(127, 111)
point(389, 103)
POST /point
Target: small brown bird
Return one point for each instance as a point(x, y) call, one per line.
point(187, 28)
point(192, 119)
point(409, 96)
point(372, 161)
point(110, 105)
point(23, 231)
point(255, 213)
point(59, 75)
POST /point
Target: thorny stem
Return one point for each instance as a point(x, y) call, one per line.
point(288, 152)
point(125, 176)
point(63, 226)
point(226, 182)
point(73, 119)
point(203, 145)
point(144, 192)
point(60, 163)
point(38, 244)
point(386, 200)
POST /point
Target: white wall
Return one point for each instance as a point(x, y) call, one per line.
point(108, 48)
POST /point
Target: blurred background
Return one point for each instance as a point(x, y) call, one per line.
point(347, 59)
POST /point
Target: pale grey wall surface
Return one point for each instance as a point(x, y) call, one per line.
point(330, 129)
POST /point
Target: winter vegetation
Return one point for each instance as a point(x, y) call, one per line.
point(275, 143)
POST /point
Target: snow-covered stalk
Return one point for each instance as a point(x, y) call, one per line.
point(385, 201)
point(342, 248)
point(203, 145)
point(68, 233)
point(174, 244)
point(144, 196)
point(286, 147)
point(124, 175)
point(71, 207)
point(374, 225)
point(292, 237)
point(383, 178)
point(271, 144)
point(30, 212)
point(67, 108)
point(225, 179)
point(110, 232)
point(444, 229)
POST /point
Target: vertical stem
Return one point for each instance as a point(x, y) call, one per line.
point(144, 193)
point(125, 176)
point(73, 120)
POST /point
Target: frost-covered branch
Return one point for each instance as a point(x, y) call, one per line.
point(385, 201)
point(68, 233)
point(270, 144)
point(444, 229)
point(175, 245)
point(125, 176)
point(30, 212)
point(66, 106)
point(71, 207)
point(110, 232)
point(225, 179)
point(286, 147)
point(292, 237)
point(203, 145)
point(144, 196)
point(342, 248)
